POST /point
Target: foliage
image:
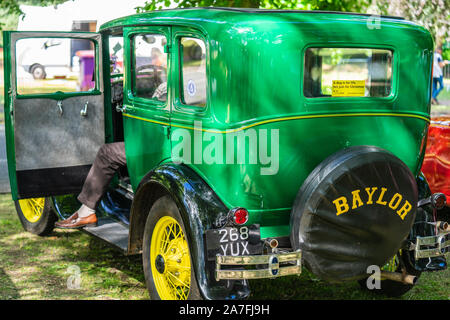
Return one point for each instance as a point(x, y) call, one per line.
point(331, 5)
point(446, 54)
point(10, 12)
point(12, 7)
point(432, 14)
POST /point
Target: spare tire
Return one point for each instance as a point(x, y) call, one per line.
point(354, 210)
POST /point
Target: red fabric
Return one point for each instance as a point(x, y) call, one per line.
point(436, 165)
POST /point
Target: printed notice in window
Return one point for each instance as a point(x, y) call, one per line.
point(348, 88)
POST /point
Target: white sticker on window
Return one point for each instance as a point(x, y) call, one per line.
point(348, 88)
point(191, 88)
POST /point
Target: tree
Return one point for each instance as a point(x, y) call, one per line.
point(10, 12)
point(330, 5)
point(12, 7)
point(432, 14)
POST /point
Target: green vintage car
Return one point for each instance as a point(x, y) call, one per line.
point(257, 142)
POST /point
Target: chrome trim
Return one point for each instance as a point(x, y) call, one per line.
point(271, 260)
point(440, 242)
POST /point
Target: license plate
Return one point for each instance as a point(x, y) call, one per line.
point(233, 241)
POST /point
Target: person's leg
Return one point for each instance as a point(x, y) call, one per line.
point(433, 92)
point(109, 159)
point(440, 81)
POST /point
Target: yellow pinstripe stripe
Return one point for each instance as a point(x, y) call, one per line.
point(283, 119)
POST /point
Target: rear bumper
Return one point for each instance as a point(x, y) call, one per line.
point(266, 266)
point(433, 246)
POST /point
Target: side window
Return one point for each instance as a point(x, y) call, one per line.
point(150, 67)
point(116, 68)
point(47, 65)
point(193, 71)
point(116, 55)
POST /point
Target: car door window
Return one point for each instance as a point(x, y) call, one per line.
point(193, 71)
point(48, 65)
point(150, 67)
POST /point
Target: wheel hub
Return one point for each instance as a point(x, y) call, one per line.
point(160, 264)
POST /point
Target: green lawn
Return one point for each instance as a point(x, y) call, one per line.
point(33, 267)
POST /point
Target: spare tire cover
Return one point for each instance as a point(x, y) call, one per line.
point(354, 210)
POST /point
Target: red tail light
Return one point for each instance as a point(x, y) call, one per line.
point(239, 216)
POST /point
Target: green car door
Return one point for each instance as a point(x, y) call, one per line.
point(54, 110)
point(146, 112)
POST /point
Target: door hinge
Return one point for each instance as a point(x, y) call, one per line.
point(167, 48)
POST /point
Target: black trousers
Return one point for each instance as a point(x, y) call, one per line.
point(110, 158)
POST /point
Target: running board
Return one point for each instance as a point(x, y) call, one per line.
point(111, 231)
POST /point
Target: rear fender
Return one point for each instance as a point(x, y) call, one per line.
point(200, 209)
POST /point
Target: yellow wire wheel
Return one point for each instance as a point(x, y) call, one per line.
point(170, 260)
point(36, 215)
point(32, 209)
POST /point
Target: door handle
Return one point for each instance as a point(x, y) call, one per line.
point(83, 111)
point(120, 108)
point(59, 105)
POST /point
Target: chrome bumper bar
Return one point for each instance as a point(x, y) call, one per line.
point(440, 244)
point(271, 261)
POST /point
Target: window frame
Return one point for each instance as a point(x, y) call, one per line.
point(60, 95)
point(129, 72)
point(177, 81)
point(394, 71)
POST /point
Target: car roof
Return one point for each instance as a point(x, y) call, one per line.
point(259, 11)
point(219, 14)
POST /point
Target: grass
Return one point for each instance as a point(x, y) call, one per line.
point(33, 267)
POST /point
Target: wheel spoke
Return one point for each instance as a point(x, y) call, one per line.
point(178, 288)
point(175, 288)
point(177, 266)
point(165, 239)
point(186, 285)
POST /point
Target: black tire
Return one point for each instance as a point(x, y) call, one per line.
point(163, 207)
point(38, 72)
point(394, 288)
point(340, 237)
point(44, 224)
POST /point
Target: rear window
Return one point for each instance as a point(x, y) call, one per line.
point(347, 72)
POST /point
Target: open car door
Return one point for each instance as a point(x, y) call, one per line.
point(54, 110)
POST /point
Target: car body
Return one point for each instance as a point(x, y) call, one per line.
point(436, 162)
point(234, 125)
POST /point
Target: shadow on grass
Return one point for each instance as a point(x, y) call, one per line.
point(98, 256)
point(9, 290)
